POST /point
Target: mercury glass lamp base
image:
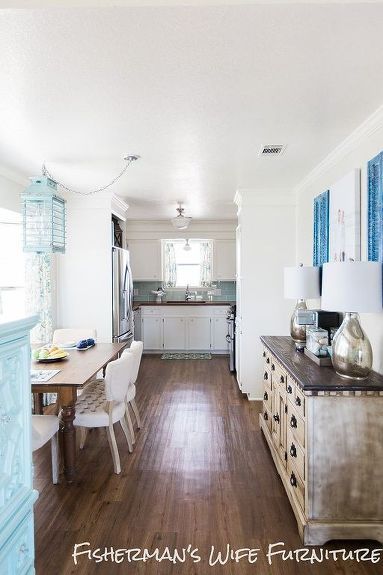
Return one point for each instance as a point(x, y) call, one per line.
point(351, 349)
point(298, 332)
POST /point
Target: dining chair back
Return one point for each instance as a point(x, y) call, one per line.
point(118, 377)
point(67, 335)
point(45, 428)
point(136, 350)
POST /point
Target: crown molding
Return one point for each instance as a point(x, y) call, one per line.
point(119, 207)
point(14, 177)
point(363, 131)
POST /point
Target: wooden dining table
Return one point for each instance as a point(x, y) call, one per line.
point(75, 371)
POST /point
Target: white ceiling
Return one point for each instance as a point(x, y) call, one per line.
point(195, 90)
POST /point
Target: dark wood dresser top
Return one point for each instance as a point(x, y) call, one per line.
point(310, 376)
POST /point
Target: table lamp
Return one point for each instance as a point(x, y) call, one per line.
point(300, 283)
point(352, 287)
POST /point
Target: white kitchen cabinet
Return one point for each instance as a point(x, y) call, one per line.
point(177, 328)
point(152, 332)
point(145, 259)
point(219, 333)
point(174, 333)
point(198, 333)
point(137, 324)
point(224, 260)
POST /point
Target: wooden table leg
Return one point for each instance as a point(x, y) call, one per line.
point(38, 407)
point(67, 399)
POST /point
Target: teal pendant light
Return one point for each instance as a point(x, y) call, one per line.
point(43, 217)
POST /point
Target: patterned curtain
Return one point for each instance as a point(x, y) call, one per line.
point(170, 265)
point(206, 257)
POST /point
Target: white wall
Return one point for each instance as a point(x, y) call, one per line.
point(10, 189)
point(84, 272)
point(354, 152)
point(267, 245)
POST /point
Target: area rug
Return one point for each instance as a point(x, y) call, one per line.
point(186, 356)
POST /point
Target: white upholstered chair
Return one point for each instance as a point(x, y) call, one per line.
point(66, 335)
point(136, 350)
point(104, 405)
point(45, 428)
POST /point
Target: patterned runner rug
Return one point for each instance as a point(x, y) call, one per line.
point(186, 355)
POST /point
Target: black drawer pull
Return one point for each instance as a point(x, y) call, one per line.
point(265, 416)
point(293, 450)
point(265, 375)
point(298, 401)
point(282, 379)
point(264, 354)
point(289, 389)
point(272, 367)
point(276, 417)
point(293, 422)
point(265, 396)
point(293, 480)
point(268, 360)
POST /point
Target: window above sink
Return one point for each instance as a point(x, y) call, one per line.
point(187, 263)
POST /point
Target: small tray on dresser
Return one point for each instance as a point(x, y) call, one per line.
point(321, 361)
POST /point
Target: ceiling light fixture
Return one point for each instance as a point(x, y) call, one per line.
point(128, 159)
point(181, 222)
point(187, 246)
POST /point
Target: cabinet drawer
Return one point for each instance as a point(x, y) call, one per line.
point(267, 398)
point(267, 418)
point(147, 310)
point(295, 454)
point(16, 557)
point(296, 484)
point(267, 358)
point(296, 424)
point(267, 377)
point(299, 401)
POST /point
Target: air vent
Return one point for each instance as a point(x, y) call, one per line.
point(272, 150)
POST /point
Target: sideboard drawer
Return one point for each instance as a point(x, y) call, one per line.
point(267, 418)
point(295, 454)
point(267, 398)
point(296, 424)
point(299, 401)
point(296, 484)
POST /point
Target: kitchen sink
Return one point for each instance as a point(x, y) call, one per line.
point(194, 302)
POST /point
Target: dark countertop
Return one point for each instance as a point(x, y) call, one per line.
point(312, 377)
point(138, 304)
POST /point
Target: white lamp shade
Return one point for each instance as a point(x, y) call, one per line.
point(352, 287)
point(301, 282)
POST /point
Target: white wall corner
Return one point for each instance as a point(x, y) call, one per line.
point(373, 123)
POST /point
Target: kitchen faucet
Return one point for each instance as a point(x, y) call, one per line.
point(188, 294)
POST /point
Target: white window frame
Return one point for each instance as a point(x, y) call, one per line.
point(183, 240)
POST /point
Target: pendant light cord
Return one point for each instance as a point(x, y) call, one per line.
point(128, 159)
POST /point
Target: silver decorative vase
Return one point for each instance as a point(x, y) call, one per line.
point(298, 332)
point(351, 349)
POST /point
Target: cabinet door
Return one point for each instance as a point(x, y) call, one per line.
point(199, 333)
point(145, 259)
point(220, 331)
point(279, 423)
point(151, 333)
point(224, 260)
point(174, 333)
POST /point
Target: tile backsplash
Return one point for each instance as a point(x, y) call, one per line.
point(143, 291)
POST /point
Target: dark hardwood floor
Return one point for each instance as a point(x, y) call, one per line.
point(200, 475)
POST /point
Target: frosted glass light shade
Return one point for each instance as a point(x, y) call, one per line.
point(352, 287)
point(301, 282)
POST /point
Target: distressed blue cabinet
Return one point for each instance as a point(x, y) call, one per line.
point(16, 492)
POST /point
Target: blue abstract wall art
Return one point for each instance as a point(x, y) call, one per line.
point(321, 229)
point(375, 208)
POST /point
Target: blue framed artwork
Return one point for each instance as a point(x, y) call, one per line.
point(321, 229)
point(375, 208)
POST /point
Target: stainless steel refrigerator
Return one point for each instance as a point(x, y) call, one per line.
point(122, 289)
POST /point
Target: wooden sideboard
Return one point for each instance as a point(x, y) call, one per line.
point(16, 492)
point(325, 434)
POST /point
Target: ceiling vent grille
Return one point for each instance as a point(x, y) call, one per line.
point(272, 150)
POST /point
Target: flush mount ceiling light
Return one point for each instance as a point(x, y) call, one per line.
point(187, 246)
point(128, 159)
point(181, 222)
